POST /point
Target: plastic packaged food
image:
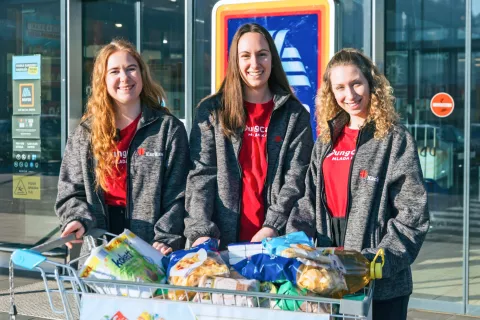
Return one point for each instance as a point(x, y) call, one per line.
point(317, 278)
point(289, 289)
point(357, 270)
point(228, 284)
point(348, 272)
point(186, 267)
point(278, 244)
point(119, 260)
point(269, 268)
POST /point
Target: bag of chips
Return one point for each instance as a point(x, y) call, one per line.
point(270, 268)
point(186, 267)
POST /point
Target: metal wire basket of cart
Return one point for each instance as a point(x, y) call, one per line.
point(83, 298)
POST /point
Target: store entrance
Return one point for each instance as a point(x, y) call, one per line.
point(425, 63)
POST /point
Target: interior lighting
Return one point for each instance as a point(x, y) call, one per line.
point(118, 25)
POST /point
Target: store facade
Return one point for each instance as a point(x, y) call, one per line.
point(424, 47)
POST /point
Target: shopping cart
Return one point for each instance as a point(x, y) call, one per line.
point(80, 297)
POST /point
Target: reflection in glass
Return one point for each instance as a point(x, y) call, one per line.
point(474, 252)
point(424, 41)
point(163, 48)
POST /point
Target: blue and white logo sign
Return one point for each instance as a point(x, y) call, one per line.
point(303, 32)
point(296, 39)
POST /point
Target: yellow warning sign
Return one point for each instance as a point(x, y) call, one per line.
point(25, 187)
point(32, 70)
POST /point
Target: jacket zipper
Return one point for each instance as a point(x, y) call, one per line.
point(266, 176)
point(129, 180)
point(349, 202)
point(101, 199)
point(239, 189)
point(323, 194)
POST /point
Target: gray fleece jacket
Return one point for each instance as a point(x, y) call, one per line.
point(387, 203)
point(213, 196)
point(156, 179)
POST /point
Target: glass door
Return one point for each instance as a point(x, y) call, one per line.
point(474, 210)
point(425, 44)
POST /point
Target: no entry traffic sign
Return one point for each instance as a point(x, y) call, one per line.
point(442, 104)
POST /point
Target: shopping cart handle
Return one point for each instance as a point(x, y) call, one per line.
point(96, 233)
point(27, 259)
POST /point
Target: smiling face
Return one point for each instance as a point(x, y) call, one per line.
point(351, 91)
point(254, 60)
point(124, 79)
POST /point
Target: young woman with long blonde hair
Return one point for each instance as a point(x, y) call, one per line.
point(364, 186)
point(125, 165)
point(250, 147)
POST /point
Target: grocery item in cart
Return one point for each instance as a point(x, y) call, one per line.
point(289, 289)
point(358, 270)
point(348, 272)
point(270, 268)
point(325, 280)
point(295, 245)
point(186, 267)
point(119, 260)
point(145, 249)
point(227, 284)
point(276, 245)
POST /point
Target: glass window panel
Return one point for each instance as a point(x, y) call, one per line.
point(103, 21)
point(424, 42)
point(29, 167)
point(474, 253)
point(163, 48)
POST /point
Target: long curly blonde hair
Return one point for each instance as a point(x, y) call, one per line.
point(381, 108)
point(101, 108)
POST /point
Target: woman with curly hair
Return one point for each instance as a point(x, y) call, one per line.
point(364, 186)
point(250, 147)
point(125, 165)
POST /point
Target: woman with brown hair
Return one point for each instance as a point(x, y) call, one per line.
point(125, 165)
point(364, 187)
point(250, 147)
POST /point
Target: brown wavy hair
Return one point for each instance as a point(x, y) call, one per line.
point(381, 109)
point(232, 113)
point(101, 108)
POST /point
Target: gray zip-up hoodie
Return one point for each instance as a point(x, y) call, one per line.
point(387, 203)
point(213, 196)
point(156, 178)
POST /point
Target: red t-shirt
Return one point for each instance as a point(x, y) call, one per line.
point(117, 184)
point(253, 160)
point(336, 168)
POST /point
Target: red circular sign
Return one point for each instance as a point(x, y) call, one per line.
point(442, 104)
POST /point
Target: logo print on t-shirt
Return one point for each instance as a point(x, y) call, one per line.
point(256, 131)
point(341, 155)
point(141, 151)
point(122, 156)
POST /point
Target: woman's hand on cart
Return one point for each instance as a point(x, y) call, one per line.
point(162, 247)
point(263, 233)
point(201, 240)
point(74, 227)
